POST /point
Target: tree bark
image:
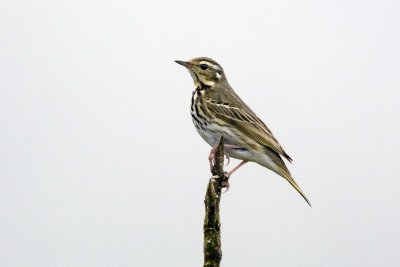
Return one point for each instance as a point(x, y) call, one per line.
point(212, 224)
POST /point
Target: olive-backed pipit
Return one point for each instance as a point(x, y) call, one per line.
point(217, 110)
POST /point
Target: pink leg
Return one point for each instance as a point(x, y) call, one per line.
point(211, 156)
point(237, 167)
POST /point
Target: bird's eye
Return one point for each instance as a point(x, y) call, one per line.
point(203, 66)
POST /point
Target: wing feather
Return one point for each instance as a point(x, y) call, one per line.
point(248, 123)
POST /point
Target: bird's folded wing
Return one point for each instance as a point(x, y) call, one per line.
point(248, 123)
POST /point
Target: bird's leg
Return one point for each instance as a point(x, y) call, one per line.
point(211, 156)
point(237, 167)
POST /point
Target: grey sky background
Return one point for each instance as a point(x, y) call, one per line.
point(101, 166)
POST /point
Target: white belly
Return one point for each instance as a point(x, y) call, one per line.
point(212, 134)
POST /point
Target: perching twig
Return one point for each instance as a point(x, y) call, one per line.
point(212, 225)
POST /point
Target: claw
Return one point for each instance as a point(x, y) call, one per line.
point(226, 187)
point(225, 183)
point(228, 158)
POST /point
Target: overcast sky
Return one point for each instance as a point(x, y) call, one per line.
point(100, 164)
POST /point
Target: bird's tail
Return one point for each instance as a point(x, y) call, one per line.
point(289, 178)
point(274, 162)
point(297, 187)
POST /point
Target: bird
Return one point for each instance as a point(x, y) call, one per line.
point(216, 111)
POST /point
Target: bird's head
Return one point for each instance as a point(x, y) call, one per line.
point(204, 71)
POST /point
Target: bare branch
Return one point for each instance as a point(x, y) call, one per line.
point(212, 224)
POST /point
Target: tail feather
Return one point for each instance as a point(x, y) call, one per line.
point(286, 174)
point(298, 189)
point(274, 162)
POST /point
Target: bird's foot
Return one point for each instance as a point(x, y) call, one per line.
point(225, 182)
point(211, 156)
point(222, 181)
point(228, 159)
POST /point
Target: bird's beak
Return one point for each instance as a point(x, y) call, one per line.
point(184, 63)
